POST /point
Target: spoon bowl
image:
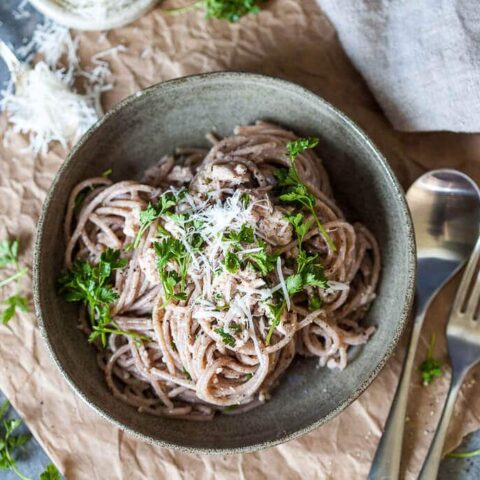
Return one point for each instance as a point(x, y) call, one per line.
point(445, 208)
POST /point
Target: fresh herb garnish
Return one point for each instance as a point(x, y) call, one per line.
point(9, 442)
point(300, 226)
point(153, 211)
point(51, 473)
point(172, 250)
point(186, 373)
point(262, 261)
point(231, 262)
point(106, 173)
point(244, 235)
point(9, 258)
point(297, 191)
point(226, 337)
point(430, 368)
point(91, 285)
point(230, 408)
point(276, 314)
point(245, 199)
point(314, 302)
point(13, 303)
point(471, 454)
point(309, 273)
point(231, 10)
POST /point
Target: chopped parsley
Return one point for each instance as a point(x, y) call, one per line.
point(164, 206)
point(226, 337)
point(51, 473)
point(430, 368)
point(92, 285)
point(172, 250)
point(297, 192)
point(232, 262)
point(275, 312)
point(314, 302)
point(9, 441)
point(186, 373)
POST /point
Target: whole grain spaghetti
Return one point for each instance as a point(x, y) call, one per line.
point(204, 281)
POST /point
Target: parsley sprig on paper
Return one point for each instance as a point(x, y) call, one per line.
point(10, 441)
point(231, 10)
point(9, 258)
point(91, 285)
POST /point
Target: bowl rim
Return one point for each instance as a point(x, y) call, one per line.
point(400, 198)
point(70, 19)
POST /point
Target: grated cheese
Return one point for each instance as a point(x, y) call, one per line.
point(47, 110)
point(45, 106)
point(282, 282)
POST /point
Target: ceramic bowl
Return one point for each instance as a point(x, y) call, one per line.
point(133, 136)
point(60, 11)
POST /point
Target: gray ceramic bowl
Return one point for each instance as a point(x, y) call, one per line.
point(179, 113)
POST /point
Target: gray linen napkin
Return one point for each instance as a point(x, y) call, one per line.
point(420, 58)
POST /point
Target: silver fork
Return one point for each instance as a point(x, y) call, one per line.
point(463, 341)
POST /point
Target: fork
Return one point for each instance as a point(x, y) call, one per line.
point(463, 342)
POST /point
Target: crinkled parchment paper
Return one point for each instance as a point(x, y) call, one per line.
point(292, 40)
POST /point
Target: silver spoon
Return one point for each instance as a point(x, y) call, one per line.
point(445, 207)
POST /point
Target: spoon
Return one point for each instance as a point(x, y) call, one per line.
point(445, 208)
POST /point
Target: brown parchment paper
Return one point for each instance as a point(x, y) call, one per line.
point(293, 40)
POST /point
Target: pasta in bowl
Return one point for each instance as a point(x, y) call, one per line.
point(219, 281)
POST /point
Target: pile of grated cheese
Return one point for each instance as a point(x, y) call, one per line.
point(45, 105)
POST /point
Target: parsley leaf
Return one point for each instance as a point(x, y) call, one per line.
point(309, 273)
point(231, 262)
point(300, 226)
point(226, 337)
point(430, 368)
point(186, 373)
point(244, 235)
point(298, 146)
point(314, 302)
point(8, 253)
point(172, 250)
point(294, 283)
point(153, 211)
point(90, 284)
point(9, 442)
point(13, 302)
point(51, 473)
point(245, 199)
point(9, 257)
point(298, 192)
point(261, 260)
point(275, 312)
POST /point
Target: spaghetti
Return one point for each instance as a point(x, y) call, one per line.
point(231, 269)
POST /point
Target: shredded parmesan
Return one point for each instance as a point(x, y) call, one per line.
point(47, 110)
point(45, 105)
point(282, 282)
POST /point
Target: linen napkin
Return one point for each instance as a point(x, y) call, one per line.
point(421, 59)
